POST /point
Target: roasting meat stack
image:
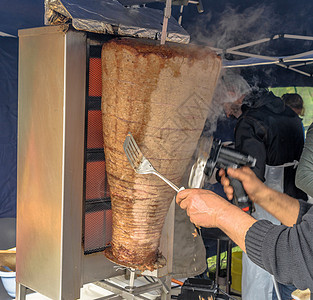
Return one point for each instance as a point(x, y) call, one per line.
point(161, 94)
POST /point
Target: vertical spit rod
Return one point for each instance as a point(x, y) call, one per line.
point(167, 15)
point(132, 279)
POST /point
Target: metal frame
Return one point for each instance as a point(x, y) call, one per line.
point(132, 292)
point(281, 61)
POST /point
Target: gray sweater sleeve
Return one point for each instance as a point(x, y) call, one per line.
point(285, 252)
point(304, 174)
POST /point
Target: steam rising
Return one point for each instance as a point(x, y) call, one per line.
point(230, 23)
point(229, 28)
point(230, 87)
point(233, 27)
point(234, 22)
point(226, 29)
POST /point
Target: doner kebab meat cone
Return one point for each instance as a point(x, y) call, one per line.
point(161, 94)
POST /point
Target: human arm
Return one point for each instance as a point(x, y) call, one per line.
point(206, 209)
point(285, 252)
point(304, 174)
point(281, 206)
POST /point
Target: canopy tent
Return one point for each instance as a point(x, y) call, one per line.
point(292, 62)
point(252, 35)
point(18, 14)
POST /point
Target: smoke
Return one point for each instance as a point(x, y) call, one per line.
point(230, 28)
point(234, 26)
point(232, 22)
point(230, 87)
point(238, 22)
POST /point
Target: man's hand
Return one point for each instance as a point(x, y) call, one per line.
point(207, 209)
point(202, 206)
point(252, 185)
point(281, 206)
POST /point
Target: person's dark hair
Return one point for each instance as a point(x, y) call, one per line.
point(295, 102)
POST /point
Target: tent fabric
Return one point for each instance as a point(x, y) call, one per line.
point(19, 14)
point(8, 125)
point(14, 15)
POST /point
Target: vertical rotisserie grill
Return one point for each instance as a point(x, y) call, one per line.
point(63, 204)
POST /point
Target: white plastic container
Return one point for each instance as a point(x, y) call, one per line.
point(8, 280)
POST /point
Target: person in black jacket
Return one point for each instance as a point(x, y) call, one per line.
point(295, 102)
point(271, 132)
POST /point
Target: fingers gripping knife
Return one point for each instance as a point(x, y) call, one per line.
point(223, 157)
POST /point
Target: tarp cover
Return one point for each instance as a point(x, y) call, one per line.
point(110, 16)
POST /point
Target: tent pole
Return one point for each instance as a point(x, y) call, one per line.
point(167, 15)
point(253, 43)
point(298, 37)
point(293, 69)
point(253, 55)
point(302, 64)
